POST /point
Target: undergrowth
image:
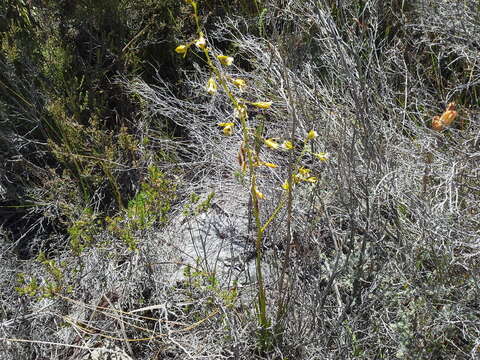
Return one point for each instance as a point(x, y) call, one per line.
point(239, 180)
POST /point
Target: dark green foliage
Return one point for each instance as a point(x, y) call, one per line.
point(66, 123)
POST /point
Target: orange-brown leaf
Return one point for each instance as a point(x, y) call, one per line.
point(440, 123)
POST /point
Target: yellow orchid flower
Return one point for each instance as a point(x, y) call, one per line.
point(211, 86)
point(262, 104)
point(312, 134)
point(228, 130)
point(240, 83)
point(303, 174)
point(297, 178)
point(322, 156)
point(268, 164)
point(272, 144)
point(287, 145)
point(225, 60)
point(227, 127)
point(286, 186)
point(304, 171)
point(258, 194)
point(182, 49)
point(223, 124)
point(201, 43)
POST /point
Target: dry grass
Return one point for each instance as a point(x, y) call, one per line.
point(384, 248)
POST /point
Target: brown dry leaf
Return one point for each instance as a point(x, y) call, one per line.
point(440, 123)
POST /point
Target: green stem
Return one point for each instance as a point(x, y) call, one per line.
point(262, 302)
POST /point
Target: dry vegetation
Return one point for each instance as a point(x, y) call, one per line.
point(376, 259)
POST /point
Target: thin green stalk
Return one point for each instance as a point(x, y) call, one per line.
point(264, 322)
point(279, 207)
point(292, 164)
point(262, 302)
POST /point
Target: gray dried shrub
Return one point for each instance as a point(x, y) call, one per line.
point(384, 248)
point(386, 242)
